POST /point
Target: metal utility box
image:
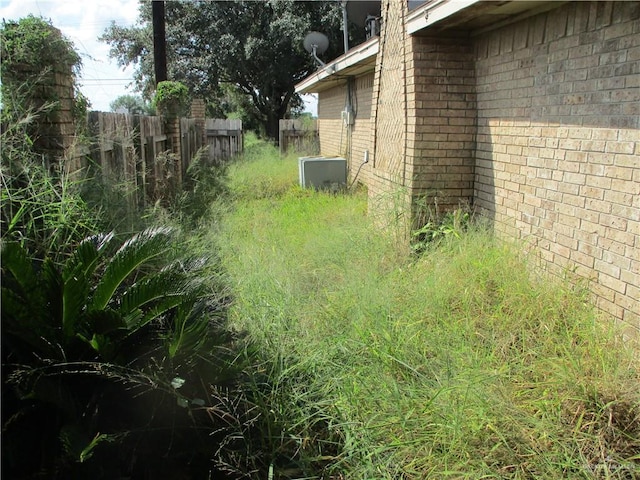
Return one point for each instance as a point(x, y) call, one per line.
point(322, 172)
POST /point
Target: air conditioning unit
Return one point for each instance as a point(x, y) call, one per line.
point(322, 172)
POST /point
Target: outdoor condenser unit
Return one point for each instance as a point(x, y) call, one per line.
point(322, 172)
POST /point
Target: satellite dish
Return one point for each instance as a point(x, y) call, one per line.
point(359, 10)
point(316, 42)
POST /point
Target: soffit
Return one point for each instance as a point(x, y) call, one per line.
point(471, 15)
point(357, 61)
point(431, 17)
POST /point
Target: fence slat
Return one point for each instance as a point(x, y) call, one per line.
point(299, 134)
point(224, 137)
point(126, 149)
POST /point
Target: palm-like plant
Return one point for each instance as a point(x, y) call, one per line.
point(85, 344)
point(93, 307)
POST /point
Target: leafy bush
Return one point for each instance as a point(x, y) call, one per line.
point(112, 349)
point(33, 51)
point(106, 357)
point(31, 44)
point(94, 333)
point(172, 99)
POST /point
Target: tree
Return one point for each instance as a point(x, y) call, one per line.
point(253, 47)
point(133, 104)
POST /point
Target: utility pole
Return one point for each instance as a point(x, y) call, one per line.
point(159, 41)
point(345, 22)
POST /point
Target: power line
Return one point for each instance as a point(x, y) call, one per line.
point(107, 79)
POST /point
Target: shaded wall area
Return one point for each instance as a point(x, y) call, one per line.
point(558, 143)
point(442, 119)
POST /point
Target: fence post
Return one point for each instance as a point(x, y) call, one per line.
point(198, 112)
point(53, 132)
point(172, 131)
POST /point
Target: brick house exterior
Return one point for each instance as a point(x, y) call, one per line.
point(529, 111)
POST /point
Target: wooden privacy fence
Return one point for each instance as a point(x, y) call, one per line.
point(300, 135)
point(135, 152)
point(224, 137)
point(153, 171)
point(191, 139)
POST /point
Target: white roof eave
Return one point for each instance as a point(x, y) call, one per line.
point(433, 12)
point(352, 58)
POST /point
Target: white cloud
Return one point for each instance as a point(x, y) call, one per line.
point(83, 22)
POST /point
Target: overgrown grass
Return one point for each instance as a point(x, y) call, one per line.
point(459, 363)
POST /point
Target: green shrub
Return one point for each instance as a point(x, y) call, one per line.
point(33, 51)
point(109, 358)
point(113, 346)
point(32, 44)
point(172, 99)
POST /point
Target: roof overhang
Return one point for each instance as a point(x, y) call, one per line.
point(357, 61)
point(472, 15)
point(434, 12)
point(431, 17)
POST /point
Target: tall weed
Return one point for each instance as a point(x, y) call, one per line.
point(462, 362)
point(203, 184)
point(41, 204)
point(261, 172)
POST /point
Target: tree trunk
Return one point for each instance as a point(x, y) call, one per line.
point(276, 111)
point(273, 127)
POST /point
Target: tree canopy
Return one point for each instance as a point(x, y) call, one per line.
point(243, 53)
point(133, 104)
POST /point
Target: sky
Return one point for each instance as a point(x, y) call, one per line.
point(82, 22)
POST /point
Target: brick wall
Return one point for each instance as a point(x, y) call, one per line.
point(442, 118)
point(330, 126)
point(347, 141)
point(389, 101)
point(558, 142)
point(362, 130)
point(55, 134)
point(536, 122)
